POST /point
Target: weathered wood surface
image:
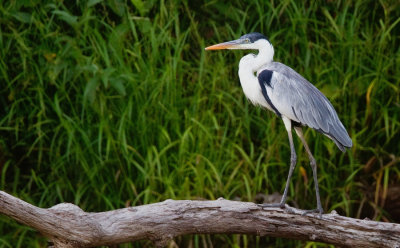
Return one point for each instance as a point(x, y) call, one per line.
point(66, 225)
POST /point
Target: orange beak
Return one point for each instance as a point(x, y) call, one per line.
point(226, 45)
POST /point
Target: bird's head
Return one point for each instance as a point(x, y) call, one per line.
point(254, 40)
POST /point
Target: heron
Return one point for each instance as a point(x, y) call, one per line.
point(280, 89)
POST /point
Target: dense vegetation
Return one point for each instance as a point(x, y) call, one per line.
point(108, 104)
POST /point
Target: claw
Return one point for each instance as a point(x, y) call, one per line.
point(317, 210)
point(287, 208)
point(272, 205)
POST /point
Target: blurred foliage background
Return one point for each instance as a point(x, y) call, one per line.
point(109, 104)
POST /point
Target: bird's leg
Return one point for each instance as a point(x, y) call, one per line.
point(293, 158)
point(313, 164)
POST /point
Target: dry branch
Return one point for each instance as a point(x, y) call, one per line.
point(66, 225)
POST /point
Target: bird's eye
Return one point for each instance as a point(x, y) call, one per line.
point(247, 40)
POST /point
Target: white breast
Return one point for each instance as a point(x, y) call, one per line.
point(249, 81)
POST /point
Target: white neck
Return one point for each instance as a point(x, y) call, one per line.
point(249, 65)
point(264, 56)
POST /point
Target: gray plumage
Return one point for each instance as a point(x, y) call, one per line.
point(291, 97)
point(295, 97)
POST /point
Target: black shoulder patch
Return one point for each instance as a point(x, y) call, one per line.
point(264, 79)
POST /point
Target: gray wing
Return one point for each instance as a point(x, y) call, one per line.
point(291, 95)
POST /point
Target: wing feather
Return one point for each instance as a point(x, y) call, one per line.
point(296, 98)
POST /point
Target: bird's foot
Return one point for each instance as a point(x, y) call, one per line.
point(277, 205)
point(319, 211)
point(272, 205)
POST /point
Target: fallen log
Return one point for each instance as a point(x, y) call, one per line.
point(66, 225)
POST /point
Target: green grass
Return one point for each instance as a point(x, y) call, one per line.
point(114, 104)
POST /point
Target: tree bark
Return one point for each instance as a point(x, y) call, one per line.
point(66, 225)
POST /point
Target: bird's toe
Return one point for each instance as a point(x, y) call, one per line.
point(319, 211)
point(272, 205)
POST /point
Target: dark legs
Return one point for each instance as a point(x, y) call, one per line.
point(293, 158)
point(314, 170)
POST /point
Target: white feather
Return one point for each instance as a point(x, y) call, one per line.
point(248, 67)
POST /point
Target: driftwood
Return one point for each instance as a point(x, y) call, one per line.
point(66, 225)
